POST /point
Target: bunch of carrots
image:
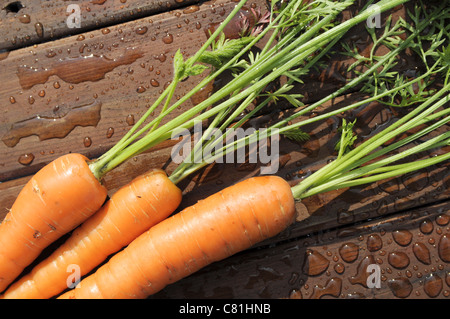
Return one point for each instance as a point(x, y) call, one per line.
point(150, 249)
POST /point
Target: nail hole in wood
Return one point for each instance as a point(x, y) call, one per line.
point(13, 7)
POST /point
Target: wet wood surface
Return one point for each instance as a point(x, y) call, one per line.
point(79, 90)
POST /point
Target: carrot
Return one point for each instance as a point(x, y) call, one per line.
point(213, 229)
point(133, 209)
point(54, 201)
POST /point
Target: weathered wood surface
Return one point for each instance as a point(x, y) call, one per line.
point(27, 22)
point(107, 75)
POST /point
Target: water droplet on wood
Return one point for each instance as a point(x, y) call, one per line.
point(422, 253)
point(25, 18)
point(332, 288)
point(87, 141)
point(362, 274)
point(349, 252)
point(130, 119)
point(26, 159)
point(433, 285)
point(75, 70)
point(39, 28)
point(140, 89)
point(141, 30)
point(426, 226)
point(398, 259)
point(161, 57)
point(374, 242)
point(444, 248)
point(400, 287)
point(402, 237)
point(55, 124)
point(109, 132)
point(191, 9)
point(168, 38)
point(154, 83)
point(442, 219)
point(315, 263)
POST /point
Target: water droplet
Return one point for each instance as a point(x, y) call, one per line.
point(191, 9)
point(422, 253)
point(25, 18)
point(141, 30)
point(295, 294)
point(39, 28)
point(31, 99)
point(398, 259)
point(349, 252)
point(362, 274)
point(168, 38)
point(400, 287)
point(109, 132)
point(293, 279)
point(433, 285)
point(12, 99)
point(26, 159)
point(81, 37)
point(332, 288)
point(87, 141)
point(130, 119)
point(339, 268)
point(426, 226)
point(56, 85)
point(374, 242)
point(106, 30)
point(442, 219)
point(161, 57)
point(140, 89)
point(154, 83)
point(402, 237)
point(444, 248)
point(41, 93)
point(54, 124)
point(75, 70)
point(315, 263)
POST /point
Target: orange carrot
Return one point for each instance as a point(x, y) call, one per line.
point(133, 209)
point(53, 202)
point(213, 229)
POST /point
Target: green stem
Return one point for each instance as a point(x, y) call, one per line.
point(390, 172)
point(402, 125)
point(290, 59)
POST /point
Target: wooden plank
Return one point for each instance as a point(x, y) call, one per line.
point(27, 22)
point(409, 250)
point(82, 93)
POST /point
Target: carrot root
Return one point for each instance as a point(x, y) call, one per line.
point(133, 209)
point(213, 229)
point(54, 201)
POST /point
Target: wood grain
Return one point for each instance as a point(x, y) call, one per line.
point(26, 22)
